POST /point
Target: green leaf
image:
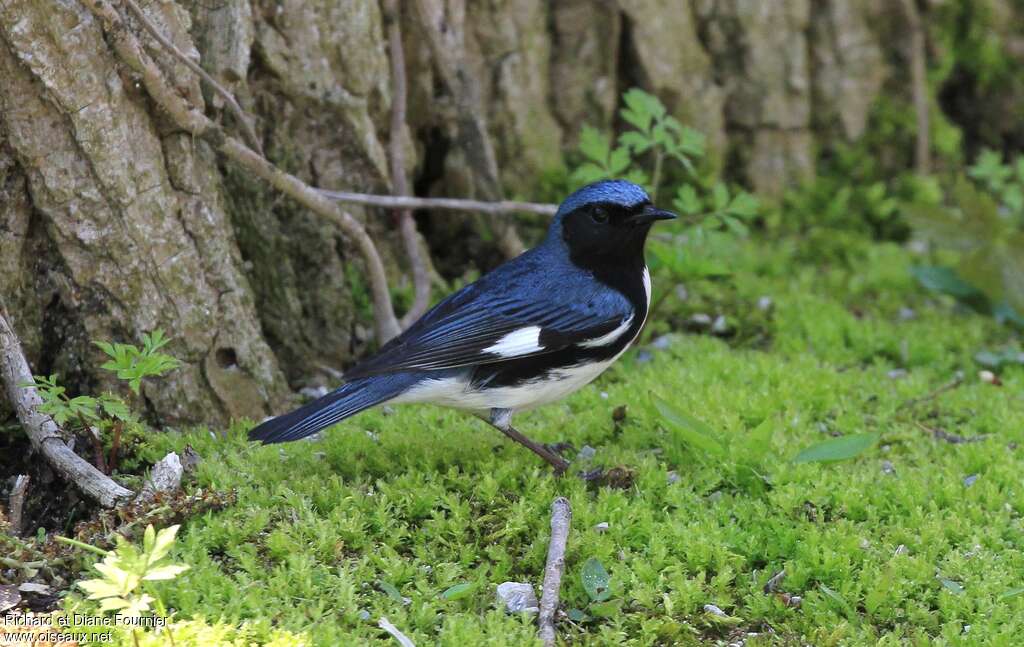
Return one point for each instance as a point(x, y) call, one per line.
point(952, 586)
point(943, 280)
point(837, 449)
point(459, 591)
point(635, 141)
point(168, 572)
point(619, 161)
point(163, 543)
point(687, 200)
point(743, 205)
point(576, 615)
point(391, 591)
point(719, 197)
point(1012, 593)
point(735, 226)
point(595, 580)
point(587, 173)
point(689, 430)
point(595, 145)
point(692, 141)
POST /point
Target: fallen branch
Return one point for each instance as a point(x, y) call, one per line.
point(43, 431)
point(406, 223)
point(498, 207)
point(16, 502)
point(229, 99)
point(561, 517)
point(957, 380)
point(130, 50)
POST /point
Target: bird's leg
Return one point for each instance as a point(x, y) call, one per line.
point(501, 419)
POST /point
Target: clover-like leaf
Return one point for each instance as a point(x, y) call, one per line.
point(837, 449)
point(595, 580)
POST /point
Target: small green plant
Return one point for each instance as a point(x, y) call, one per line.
point(133, 364)
point(107, 412)
point(1004, 182)
point(654, 131)
point(985, 237)
point(125, 569)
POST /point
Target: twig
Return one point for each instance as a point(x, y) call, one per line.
point(402, 639)
point(16, 502)
point(561, 517)
point(957, 380)
point(43, 431)
point(243, 119)
point(495, 208)
point(132, 53)
point(919, 87)
point(406, 223)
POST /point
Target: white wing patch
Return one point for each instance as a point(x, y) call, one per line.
point(647, 285)
point(609, 338)
point(518, 342)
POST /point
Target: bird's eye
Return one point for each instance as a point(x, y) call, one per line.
point(599, 215)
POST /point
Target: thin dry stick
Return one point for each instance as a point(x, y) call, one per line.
point(497, 208)
point(561, 518)
point(957, 380)
point(131, 52)
point(244, 119)
point(16, 502)
point(402, 639)
point(406, 223)
point(43, 431)
point(919, 87)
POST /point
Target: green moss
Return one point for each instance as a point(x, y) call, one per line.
point(425, 498)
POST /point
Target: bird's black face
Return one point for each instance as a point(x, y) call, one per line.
point(603, 233)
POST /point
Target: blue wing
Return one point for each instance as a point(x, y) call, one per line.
point(514, 312)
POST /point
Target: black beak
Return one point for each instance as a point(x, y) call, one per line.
point(650, 214)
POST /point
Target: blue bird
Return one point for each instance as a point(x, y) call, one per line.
point(532, 331)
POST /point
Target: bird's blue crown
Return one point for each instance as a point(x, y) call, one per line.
point(619, 192)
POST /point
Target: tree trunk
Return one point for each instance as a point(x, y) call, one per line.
point(113, 223)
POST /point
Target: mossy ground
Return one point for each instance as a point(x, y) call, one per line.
point(917, 541)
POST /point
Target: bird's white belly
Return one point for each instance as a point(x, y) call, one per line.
point(459, 393)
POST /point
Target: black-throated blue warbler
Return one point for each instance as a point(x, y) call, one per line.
point(532, 331)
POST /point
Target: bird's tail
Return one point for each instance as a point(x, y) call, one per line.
point(347, 400)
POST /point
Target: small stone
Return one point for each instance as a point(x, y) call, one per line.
point(37, 589)
point(517, 597)
point(387, 410)
point(906, 314)
point(989, 377)
point(601, 527)
point(586, 453)
point(714, 610)
point(364, 614)
point(720, 326)
point(888, 467)
point(604, 395)
point(644, 356)
point(969, 480)
point(865, 544)
point(700, 320)
point(764, 304)
point(673, 477)
point(681, 292)
point(897, 374)
point(900, 550)
point(662, 342)
point(372, 436)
